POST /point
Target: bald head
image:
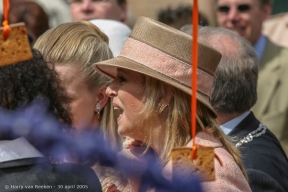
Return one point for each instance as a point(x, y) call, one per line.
point(234, 90)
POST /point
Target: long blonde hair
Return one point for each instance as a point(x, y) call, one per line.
point(178, 119)
point(81, 44)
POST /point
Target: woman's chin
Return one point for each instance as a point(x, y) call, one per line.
point(122, 132)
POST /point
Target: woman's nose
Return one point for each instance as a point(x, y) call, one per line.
point(111, 91)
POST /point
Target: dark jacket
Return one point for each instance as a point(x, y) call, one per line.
point(264, 159)
point(37, 174)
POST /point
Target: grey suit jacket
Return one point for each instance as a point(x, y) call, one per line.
point(272, 103)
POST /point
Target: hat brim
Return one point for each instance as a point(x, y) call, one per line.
point(109, 69)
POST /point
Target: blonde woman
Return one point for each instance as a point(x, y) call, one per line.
point(73, 48)
point(152, 90)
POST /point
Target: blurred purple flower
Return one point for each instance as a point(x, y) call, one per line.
point(43, 130)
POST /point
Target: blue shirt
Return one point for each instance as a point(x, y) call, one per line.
point(259, 46)
point(230, 125)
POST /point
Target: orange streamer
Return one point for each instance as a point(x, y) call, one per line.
point(194, 75)
point(6, 27)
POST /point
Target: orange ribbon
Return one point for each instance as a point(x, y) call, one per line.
point(6, 27)
point(194, 75)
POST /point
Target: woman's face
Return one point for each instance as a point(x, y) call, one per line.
point(127, 90)
point(83, 99)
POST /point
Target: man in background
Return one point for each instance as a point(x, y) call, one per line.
point(233, 95)
point(32, 14)
point(179, 16)
point(98, 9)
point(57, 10)
point(246, 18)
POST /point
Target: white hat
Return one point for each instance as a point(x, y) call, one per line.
point(116, 31)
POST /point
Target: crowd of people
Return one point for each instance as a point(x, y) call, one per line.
point(104, 107)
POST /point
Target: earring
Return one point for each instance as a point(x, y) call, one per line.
point(98, 107)
point(161, 108)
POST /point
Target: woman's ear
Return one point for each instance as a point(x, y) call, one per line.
point(102, 98)
point(165, 100)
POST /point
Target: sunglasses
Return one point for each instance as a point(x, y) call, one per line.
point(241, 8)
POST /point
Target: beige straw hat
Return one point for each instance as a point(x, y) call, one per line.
point(162, 52)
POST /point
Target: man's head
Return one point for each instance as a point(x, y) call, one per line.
point(179, 16)
point(244, 16)
point(32, 14)
point(98, 9)
point(234, 90)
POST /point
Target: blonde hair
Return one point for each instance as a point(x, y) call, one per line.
point(81, 44)
point(178, 119)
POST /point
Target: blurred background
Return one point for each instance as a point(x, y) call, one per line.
point(150, 8)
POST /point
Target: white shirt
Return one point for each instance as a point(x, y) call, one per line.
point(230, 125)
point(17, 149)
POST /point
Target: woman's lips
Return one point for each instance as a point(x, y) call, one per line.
point(116, 107)
point(118, 119)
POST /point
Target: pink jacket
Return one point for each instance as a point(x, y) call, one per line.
point(228, 176)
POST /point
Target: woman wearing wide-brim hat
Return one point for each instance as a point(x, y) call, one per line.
point(152, 89)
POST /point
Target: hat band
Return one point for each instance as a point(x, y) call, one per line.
point(163, 63)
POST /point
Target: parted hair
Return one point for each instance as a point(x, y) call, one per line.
point(81, 44)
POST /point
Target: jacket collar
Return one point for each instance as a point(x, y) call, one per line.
point(250, 123)
point(17, 149)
